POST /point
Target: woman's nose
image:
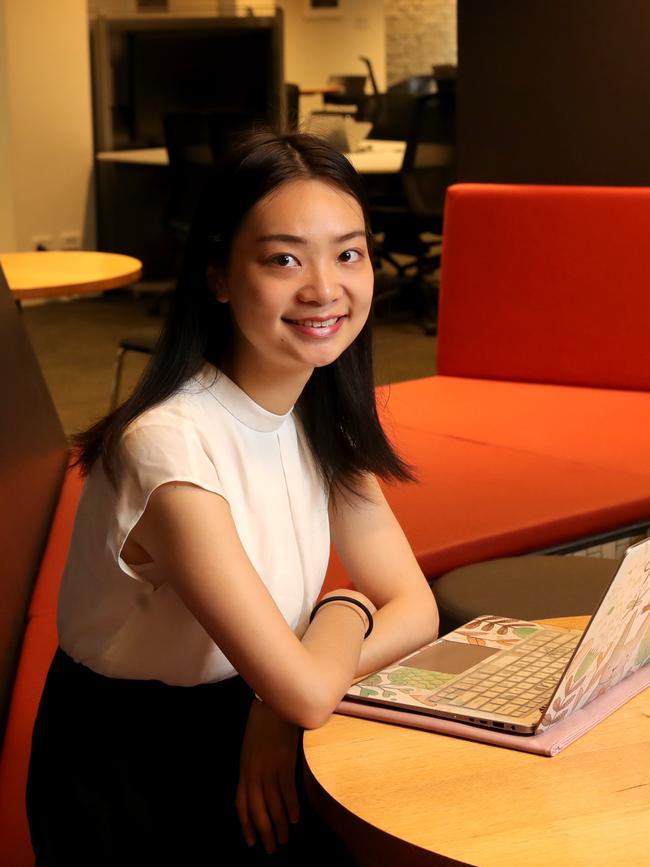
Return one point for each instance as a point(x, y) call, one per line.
point(320, 287)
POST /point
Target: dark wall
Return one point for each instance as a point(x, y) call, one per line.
point(554, 91)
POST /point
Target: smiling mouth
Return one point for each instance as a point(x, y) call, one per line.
point(315, 323)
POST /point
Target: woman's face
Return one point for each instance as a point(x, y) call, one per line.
point(299, 281)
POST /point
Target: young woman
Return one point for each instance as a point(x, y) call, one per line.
point(191, 656)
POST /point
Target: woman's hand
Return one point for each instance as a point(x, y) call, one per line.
point(266, 795)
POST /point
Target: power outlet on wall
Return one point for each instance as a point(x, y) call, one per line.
point(42, 242)
point(70, 240)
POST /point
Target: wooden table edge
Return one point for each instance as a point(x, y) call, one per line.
point(369, 844)
point(80, 288)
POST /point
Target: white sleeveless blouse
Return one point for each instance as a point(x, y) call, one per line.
point(127, 621)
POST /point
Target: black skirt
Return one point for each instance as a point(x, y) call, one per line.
point(139, 772)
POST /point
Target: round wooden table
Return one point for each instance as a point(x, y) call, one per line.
point(405, 797)
point(53, 274)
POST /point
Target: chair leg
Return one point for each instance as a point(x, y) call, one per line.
point(117, 377)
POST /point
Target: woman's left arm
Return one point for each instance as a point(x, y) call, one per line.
point(381, 564)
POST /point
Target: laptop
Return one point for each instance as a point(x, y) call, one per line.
point(343, 133)
point(518, 676)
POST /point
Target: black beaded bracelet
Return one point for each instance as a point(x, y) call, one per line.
point(345, 599)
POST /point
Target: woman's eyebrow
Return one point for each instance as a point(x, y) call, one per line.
point(297, 239)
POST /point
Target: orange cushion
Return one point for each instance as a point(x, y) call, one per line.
point(38, 649)
point(603, 427)
point(507, 467)
point(477, 501)
point(546, 284)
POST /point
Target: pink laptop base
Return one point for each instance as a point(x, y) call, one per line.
point(548, 743)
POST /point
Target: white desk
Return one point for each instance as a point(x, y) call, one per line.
point(376, 157)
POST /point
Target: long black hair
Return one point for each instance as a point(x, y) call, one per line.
point(337, 405)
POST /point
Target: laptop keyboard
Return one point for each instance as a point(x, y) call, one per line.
point(518, 681)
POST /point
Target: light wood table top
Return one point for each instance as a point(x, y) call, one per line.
point(52, 274)
point(377, 156)
point(406, 797)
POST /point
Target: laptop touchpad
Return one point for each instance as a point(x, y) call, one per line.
point(450, 657)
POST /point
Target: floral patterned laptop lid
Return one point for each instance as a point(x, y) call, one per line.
point(615, 644)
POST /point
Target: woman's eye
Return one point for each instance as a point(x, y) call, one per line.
point(350, 256)
point(284, 260)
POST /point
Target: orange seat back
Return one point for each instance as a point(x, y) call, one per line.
point(546, 284)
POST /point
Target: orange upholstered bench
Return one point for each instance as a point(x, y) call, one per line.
point(36, 511)
point(39, 644)
point(533, 437)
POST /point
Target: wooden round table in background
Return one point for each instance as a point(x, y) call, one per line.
point(405, 797)
point(57, 273)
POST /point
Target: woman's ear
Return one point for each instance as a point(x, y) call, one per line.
point(217, 283)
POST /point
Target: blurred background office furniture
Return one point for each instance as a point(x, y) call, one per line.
point(145, 67)
point(195, 142)
point(380, 162)
point(410, 221)
point(350, 91)
point(292, 97)
point(61, 273)
point(445, 76)
point(144, 342)
point(391, 115)
point(374, 87)
point(415, 84)
point(188, 140)
point(347, 93)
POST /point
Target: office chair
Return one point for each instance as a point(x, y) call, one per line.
point(292, 99)
point(445, 75)
point(371, 74)
point(427, 171)
point(188, 139)
point(143, 342)
point(195, 141)
point(352, 91)
point(391, 115)
point(414, 84)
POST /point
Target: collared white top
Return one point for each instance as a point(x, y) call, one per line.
point(127, 621)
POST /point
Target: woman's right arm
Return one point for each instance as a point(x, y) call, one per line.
point(191, 536)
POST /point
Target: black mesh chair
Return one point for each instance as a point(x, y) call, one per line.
point(292, 99)
point(189, 148)
point(391, 115)
point(144, 342)
point(445, 75)
point(417, 85)
point(195, 141)
point(410, 224)
point(352, 90)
